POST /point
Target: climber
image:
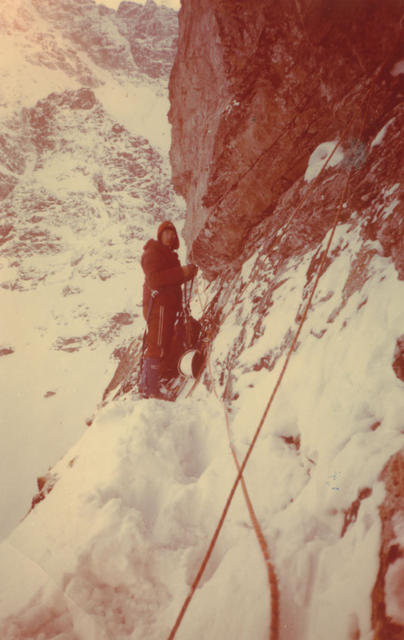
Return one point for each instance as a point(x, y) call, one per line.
point(162, 302)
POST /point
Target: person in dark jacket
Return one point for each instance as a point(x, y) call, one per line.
point(162, 301)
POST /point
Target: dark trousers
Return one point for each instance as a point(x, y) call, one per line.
point(157, 356)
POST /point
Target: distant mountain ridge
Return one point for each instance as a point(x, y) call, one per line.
point(84, 46)
point(135, 38)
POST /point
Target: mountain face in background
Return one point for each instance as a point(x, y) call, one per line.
point(287, 148)
point(62, 150)
point(63, 59)
point(84, 179)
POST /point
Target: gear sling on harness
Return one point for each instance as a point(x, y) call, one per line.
point(183, 355)
point(189, 359)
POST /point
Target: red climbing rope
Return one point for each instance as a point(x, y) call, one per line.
point(272, 578)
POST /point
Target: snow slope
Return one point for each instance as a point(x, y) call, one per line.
point(113, 549)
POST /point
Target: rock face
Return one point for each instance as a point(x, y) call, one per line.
point(254, 90)
point(385, 622)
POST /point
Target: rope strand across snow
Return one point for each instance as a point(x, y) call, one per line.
point(272, 577)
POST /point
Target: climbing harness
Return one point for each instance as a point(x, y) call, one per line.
point(191, 359)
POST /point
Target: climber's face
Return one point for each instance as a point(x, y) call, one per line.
point(168, 237)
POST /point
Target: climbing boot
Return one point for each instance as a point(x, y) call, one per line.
point(150, 378)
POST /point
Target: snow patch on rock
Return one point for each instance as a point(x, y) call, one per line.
point(395, 575)
point(326, 151)
point(380, 136)
point(398, 68)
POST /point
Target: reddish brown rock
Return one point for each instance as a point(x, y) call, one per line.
point(398, 360)
point(254, 89)
point(391, 511)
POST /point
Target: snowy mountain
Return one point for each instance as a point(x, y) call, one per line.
point(267, 501)
point(84, 178)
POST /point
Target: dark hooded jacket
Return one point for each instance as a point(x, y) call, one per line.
point(163, 272)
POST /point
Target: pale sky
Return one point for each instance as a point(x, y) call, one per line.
point(174, 4)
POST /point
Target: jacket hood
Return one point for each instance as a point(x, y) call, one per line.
point(168, 225)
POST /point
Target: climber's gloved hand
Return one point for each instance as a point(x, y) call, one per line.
point(190, 271)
